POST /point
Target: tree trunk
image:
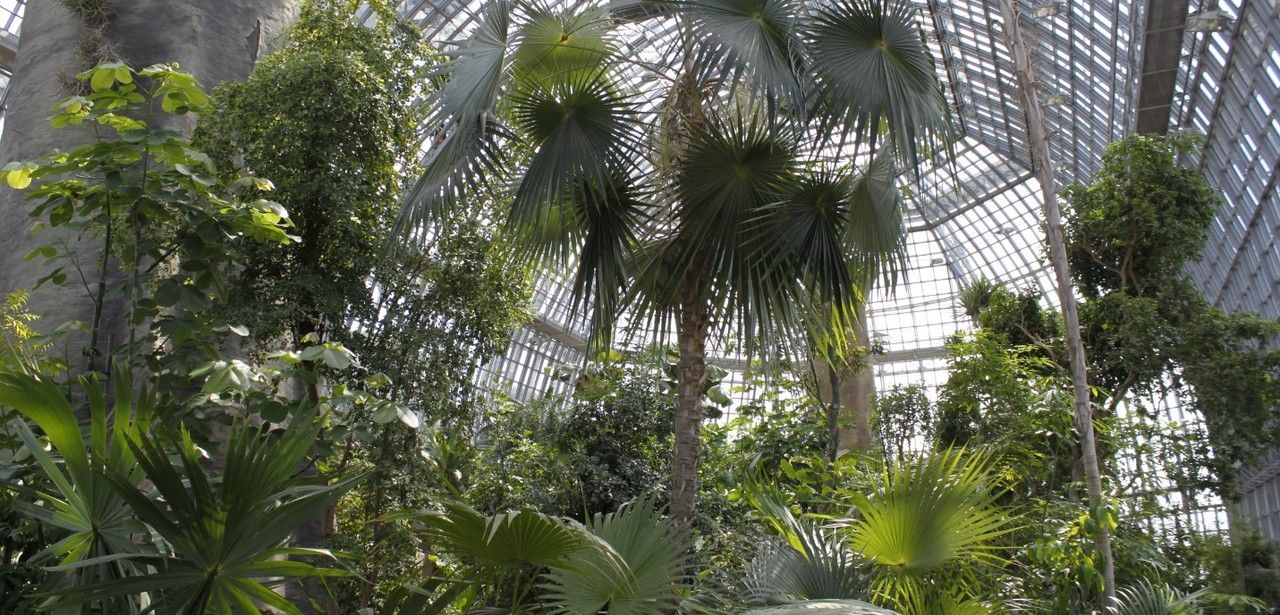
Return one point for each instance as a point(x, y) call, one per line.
point(1042, 163)
point(847, 395)
point(688, 421)
point(857, 390)
point(216, 41)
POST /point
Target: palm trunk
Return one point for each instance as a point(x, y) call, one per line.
point(688, 421)
point(1039, 145)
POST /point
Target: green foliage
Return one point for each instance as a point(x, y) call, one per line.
point(1130, 234)
point(1000, 396)
point(1141, 219)
point(579, 457)
point(118, 525)
point(95, 523)
point(149, 199)
point(975, 295)
point(1232, 364)
point(1019, 317)
point(329, 119)
point(924, 535)
point(930, 527)
point(629, 561)
point(902, 419)
point(649, 550)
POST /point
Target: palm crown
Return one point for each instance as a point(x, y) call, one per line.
point(703, 176)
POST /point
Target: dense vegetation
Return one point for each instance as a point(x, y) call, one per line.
point(288, 414)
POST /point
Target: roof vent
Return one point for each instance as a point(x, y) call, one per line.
point(1045, 10)
point(1056, 100)
point(1208, 21)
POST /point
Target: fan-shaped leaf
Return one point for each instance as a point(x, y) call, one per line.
point(871, 64)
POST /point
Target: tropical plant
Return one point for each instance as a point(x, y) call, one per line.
point(930, 527)
point(293, 121)
point(217, 540)
point(152, 200)
point(223, 539)
point(729, 204)
point(1147, 598)
point(629, 561)
point(651, 551)
point(1131, 232)
point(925, 538)
point(97, 527)
point(903, 420)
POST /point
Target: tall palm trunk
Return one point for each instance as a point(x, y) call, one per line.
point(216, 41)
point(688, 421)
point(1039, 142)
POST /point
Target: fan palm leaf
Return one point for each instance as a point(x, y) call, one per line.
point(1147, 598)
point(465, 136)
point(926, 514)
point(809, 563)
point(871, 65)
point(508, 539)
point(223, 538)
point(875, 235)
point(652, 551)
point(758, 40)
point(98, 524)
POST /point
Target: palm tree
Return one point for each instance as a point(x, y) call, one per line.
point(703, 172)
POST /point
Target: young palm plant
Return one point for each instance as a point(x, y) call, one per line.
point(630, 561)
point(918, 542)
point(718, 170)
point(98, 528)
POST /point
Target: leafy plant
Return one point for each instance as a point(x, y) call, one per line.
point(222, 540)
point(97, 526)
point(628, 561)
point(929, 527)
point(150, 200)
point(652, 552)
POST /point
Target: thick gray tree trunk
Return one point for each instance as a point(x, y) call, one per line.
point(1040, 158)
point(215, 40)
point(848, 394)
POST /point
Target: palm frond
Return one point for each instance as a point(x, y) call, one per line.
point(734, 168)
point(871, 65)
point(811, 221)
point(876, 236)
point(224, 537)
point(560, 47)
point(507, 539)
point(652, 551)
point(1147, 598)
point(926, 513)
point(97, 543)
point(755, 40)
point(578, 129)
point(614, 215)
point(809, 563)
point(461, 117)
